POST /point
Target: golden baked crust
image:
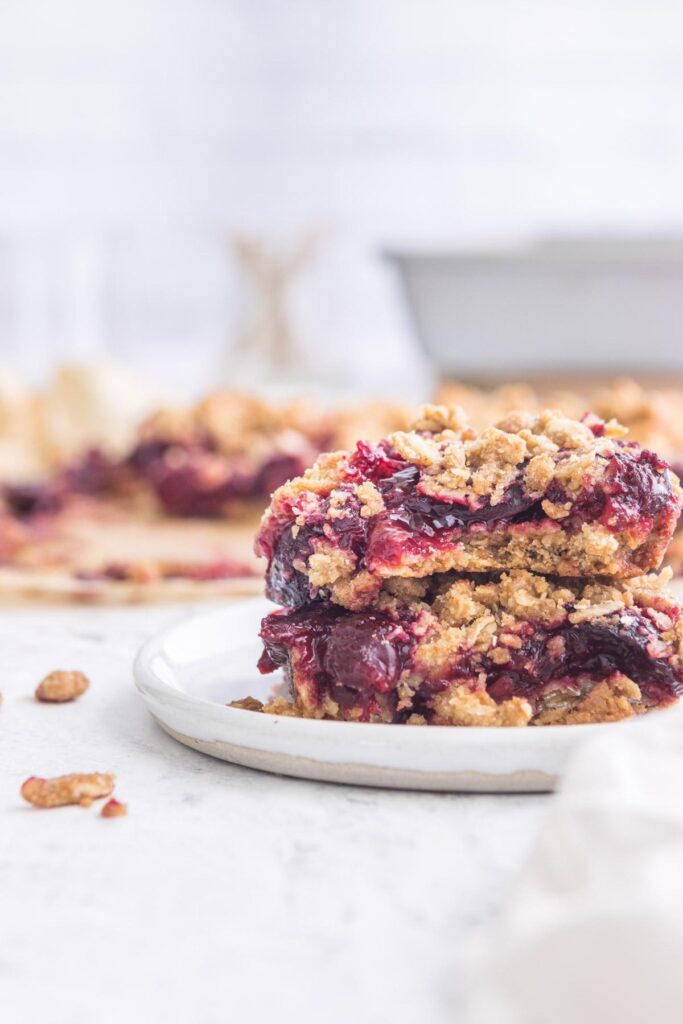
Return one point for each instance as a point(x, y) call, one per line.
point(462, 705)
point(611, 700)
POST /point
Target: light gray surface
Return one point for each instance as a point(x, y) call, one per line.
point(226, 893)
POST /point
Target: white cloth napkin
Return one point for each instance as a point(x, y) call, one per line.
point(594, 928)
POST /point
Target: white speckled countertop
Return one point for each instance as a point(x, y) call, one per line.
point(226, 894)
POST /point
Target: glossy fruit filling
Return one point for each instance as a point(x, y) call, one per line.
point(634, 489)
point(193, 480)
point(190, 480)
point(93, 474)
point(358, 659)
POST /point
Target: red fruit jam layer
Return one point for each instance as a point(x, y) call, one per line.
point(358, 659)
point(193, 480)
point(93, 474)
point(635, 489)
point(189, 480)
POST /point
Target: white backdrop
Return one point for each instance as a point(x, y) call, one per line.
point(135, 136)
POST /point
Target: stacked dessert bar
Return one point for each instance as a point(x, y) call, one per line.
point(451, 577)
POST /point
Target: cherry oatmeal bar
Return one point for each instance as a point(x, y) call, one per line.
point(538, 492)
point(514, 649)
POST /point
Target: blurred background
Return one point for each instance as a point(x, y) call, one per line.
point(356, 196)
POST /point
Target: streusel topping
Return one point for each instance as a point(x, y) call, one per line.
point(460, 465)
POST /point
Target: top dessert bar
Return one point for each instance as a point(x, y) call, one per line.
point(539, 492)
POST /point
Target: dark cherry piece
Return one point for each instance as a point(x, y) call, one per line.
point(178, 474)
point(355, 658)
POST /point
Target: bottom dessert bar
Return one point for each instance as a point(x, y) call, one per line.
point(515, 649)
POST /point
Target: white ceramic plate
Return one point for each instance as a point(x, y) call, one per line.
point(188, 672)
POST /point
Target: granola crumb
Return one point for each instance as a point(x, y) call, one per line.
point(114, 809)
point(611, 700)
point(68, 789)
point(283, 707)
point(328, 564)
point(460, 705)
point(246, 704)
point(62, 686)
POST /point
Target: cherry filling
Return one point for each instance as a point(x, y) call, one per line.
point(186, 477)
point(93, 474)
point(276, 471)
point(188, 491)
point(27, 500)
point(635, 489)
point(596, 649)
point(191, 479)
point(358, 658)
